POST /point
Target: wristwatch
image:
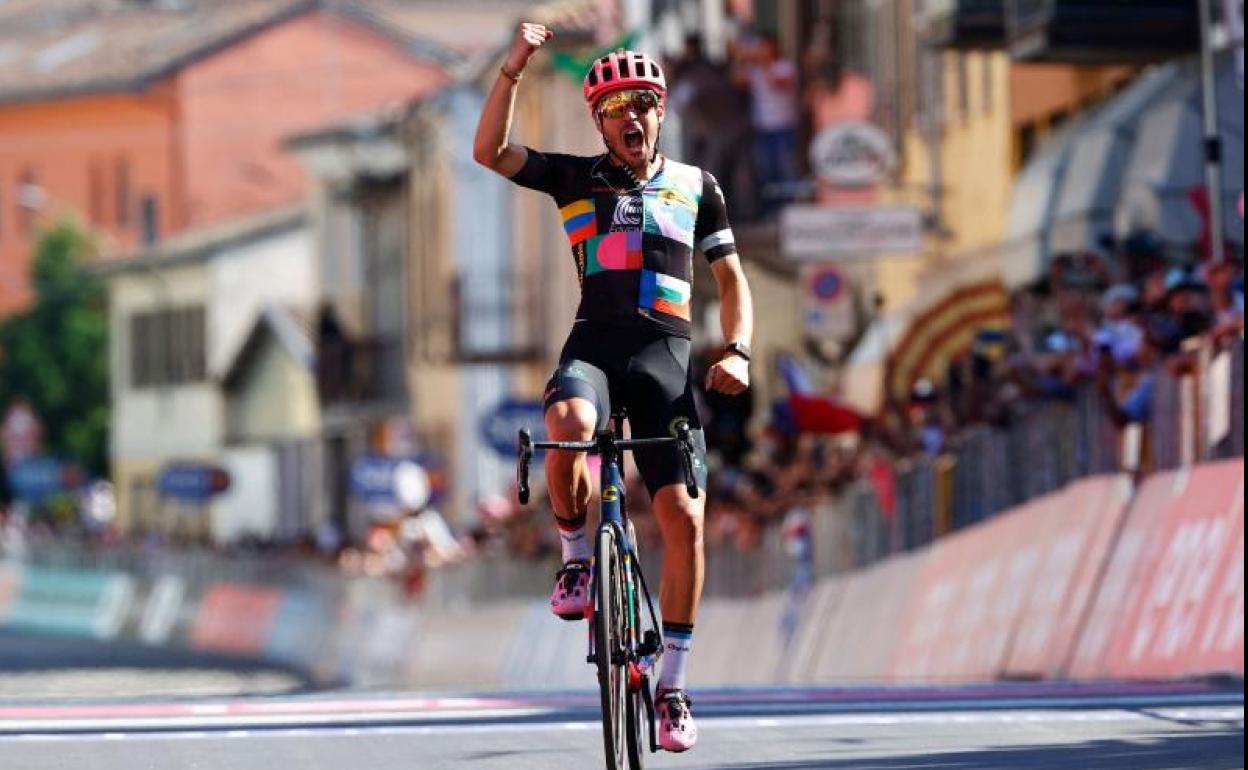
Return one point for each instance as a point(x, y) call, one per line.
point(738, 349)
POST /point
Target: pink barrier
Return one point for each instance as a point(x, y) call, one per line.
point(235, 618)
point(860, 639)
point(1184, 613)
point(1085, 519)
point(969, 597)
point(10, 586)
point(813, 630)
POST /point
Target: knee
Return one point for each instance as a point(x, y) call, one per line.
point(681, 518)
point(571, 420)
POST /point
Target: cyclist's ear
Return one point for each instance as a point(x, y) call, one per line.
point(661, 110)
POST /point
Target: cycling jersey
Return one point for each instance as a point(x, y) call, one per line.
point(633, 242)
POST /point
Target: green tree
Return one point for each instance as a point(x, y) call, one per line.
point(55, 355)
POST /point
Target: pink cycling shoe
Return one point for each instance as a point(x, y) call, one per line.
point(677, 732)
point(570, 598)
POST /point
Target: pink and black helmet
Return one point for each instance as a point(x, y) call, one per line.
point(619, 70)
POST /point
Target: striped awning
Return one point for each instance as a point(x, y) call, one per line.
point(943, 333)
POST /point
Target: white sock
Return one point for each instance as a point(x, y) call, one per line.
point(573, 541)
point(677, 641)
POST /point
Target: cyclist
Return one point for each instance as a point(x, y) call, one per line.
point(633, 218)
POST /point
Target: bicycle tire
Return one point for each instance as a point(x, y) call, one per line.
point(609, 613)
point(637, 718)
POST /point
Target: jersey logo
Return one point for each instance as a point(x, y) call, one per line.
point(627, 213)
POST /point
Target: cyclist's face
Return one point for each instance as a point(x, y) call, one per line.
point(629, 121)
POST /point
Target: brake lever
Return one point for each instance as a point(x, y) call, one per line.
point(685, 437)
point(525, 451)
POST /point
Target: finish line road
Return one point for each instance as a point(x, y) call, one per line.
point(1177, 726)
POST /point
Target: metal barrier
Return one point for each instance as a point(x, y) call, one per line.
point(1045, 446)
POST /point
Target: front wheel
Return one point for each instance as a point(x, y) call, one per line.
point(609, 647)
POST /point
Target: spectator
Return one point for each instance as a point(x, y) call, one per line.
point(773, 86)
point(714, 116)
point(1119, 334)
point(1184, 311)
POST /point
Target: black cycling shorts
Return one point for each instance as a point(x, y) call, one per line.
point(647, 374)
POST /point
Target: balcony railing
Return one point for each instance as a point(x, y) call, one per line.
point(1101, 31)
point(359, 371)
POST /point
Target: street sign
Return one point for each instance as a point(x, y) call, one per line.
point(35, 479)
point(500, 427)
point(827, 233)
point(192, 482)
point(852, 153)
point(827, 301)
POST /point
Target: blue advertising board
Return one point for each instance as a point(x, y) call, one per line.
point(378, 480)
point(35, 479)
point(501, 425)
point(192, 482)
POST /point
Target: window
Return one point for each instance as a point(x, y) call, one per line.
point(122, 192)
point(28, 201)
point(95, 192)
point(988, 83)
point(150, 211)
point(964, 86)
point(167, 347)
point(1027, 137)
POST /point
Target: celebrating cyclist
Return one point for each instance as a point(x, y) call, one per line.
point(633, 218)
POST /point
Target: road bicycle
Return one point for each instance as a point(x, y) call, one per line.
point(624, 651)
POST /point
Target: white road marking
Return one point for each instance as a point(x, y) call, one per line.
point(1232, 715)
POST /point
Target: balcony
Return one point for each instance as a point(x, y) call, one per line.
point(1101, 31)
point(359, 372)
point(963, 24)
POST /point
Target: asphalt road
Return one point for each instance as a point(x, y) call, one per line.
point(1083, 727)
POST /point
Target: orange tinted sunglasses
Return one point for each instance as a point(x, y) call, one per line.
point(617, 104)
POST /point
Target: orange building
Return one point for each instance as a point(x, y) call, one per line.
point(148, 117)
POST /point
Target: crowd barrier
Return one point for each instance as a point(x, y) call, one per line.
point(1092, 581)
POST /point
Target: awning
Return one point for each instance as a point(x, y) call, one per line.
point(944, 332)
point(1089, 191)
point(1025, 254)
point(1164, 180)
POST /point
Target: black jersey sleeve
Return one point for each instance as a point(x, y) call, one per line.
point(548, 172)
point(711, 233)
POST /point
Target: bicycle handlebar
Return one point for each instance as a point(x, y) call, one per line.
point(526, 445)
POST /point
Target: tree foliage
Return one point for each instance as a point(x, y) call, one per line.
point(55, 354)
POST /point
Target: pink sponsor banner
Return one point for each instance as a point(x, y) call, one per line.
point(1184, 614)
point(862, 635)
point(1086, 518)
point(235, 618)
point(970, 597)
point(1095, 634)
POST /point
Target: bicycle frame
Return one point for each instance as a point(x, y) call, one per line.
point(642, 653)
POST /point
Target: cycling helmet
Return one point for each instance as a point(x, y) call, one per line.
point(619, 70)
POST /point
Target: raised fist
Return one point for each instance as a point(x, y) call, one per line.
point(529, 38)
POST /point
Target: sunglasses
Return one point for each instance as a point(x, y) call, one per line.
point(616, 105)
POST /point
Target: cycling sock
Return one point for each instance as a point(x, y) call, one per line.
point(572, 539)
point(677, 640)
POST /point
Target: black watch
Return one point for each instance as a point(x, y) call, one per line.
point(739, 349)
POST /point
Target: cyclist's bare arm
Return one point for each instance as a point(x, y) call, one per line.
point(491, 147)
point(736, 318)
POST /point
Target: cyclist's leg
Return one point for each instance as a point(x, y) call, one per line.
point(576, 404)
point(659, 394)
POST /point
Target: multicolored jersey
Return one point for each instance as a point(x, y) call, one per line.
point(633, 243)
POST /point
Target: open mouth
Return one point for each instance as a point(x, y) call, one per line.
point(634, 139)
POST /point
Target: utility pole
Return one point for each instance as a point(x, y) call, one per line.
point(1212, 142)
